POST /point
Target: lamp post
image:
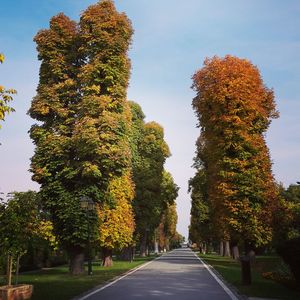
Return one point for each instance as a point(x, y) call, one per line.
point(88, 205)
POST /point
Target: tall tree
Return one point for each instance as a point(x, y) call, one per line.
point(200, 229)
point(234, 109)
point(168, 220)
point(167, 227)
point(5, 97)
point(148, 177)
point(80, 105)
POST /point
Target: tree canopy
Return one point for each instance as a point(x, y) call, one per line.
point(81, 138)
point(234, 109)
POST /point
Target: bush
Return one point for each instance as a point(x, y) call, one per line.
point(290, 253)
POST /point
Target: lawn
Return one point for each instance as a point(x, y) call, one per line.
point(56, 283)
point(260, 287)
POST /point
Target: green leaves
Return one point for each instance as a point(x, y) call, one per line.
point(5, 98)
point(82, 136)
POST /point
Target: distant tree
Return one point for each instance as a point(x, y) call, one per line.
point(201, 228)
point(149, 152)
point(176, 240)
point(292, 193)
point(287, 217)
point(167, 227)
point(5, 98)
point(168, 213)
point(286, 237)
point(149, 203)
point(80, 105)
point(234, 109)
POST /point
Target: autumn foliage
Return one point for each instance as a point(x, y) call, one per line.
point(116, 219)
point(89, 140)
point(234, 109)
point(81, 139)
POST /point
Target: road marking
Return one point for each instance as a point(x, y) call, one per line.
point(118, 279)
point(220, 282)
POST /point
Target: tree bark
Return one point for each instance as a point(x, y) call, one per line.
point(235, 252)
point(9, 269)
point(227, 249)
point(76, 261)
point(221, 251)
point(143, 246)
point(127, 254)
point(107, 257)
point(17, 270)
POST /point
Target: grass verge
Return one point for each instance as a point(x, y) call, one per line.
point(260, 287)
point(56, 283)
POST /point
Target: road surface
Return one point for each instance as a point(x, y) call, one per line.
point(177, 275)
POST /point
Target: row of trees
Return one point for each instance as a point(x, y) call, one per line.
point(234, 195)
point(90, 141)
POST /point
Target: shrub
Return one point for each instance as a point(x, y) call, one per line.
point(290, 253)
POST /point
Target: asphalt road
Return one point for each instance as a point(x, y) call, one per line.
point(177, 275)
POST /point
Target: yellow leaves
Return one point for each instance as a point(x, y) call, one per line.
point(1, 58)
point(91, 170)
point(45, 231)
point(116, 224)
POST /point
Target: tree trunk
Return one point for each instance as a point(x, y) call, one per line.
point(227, 249)
point(156, 247)
point(167, 244)
point(235, 252)
point(143, 246)
point(76, 261)
point(251, 255)
point(107, 257)
point(204, 248)
point(221, 248)
point(17, 270)
point(127, 254)
point(9, 269)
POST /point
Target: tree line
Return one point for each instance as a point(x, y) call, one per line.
point(236, 202)
point(90, 141)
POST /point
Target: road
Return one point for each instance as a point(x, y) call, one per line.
point(177, 275)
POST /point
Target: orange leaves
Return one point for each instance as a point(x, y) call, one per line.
point(235, 108)
point(233, 87)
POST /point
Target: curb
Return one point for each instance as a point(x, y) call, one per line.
point(231, 287)
point(110, 282)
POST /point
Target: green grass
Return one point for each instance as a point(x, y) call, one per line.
point(260, 287)
point(57, 283)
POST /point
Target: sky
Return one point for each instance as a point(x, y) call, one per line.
point(171, 41)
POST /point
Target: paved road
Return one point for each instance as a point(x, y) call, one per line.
point(177, 275)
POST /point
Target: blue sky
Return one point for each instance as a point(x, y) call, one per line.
point(171, 40)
